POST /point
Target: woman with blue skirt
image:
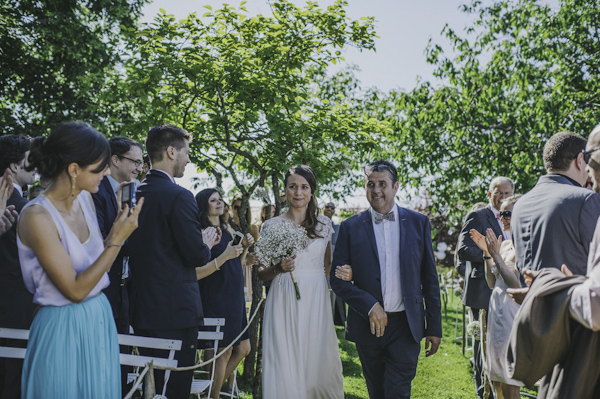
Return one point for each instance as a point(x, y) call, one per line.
point(72, 352)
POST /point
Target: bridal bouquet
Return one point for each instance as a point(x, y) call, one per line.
point(280, 241)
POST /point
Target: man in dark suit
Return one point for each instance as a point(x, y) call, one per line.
point(163, 254)
point(394, 299)
point(16, 302)
point(477, 293)
point(125, 165)
point(553, 224)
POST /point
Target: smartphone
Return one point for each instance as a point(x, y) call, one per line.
point(237, 238)
point(128, 195)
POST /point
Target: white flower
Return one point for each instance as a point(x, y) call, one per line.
point(280, 240)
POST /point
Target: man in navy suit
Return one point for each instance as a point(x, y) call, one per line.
point(394, 299)
point(163, 254)
point(125, 165)
point(477, 293)
point(16, 302)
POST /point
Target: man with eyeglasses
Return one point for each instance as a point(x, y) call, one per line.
point(125, 165)
point(564, 352)
point(477, 293)
point(553, 223)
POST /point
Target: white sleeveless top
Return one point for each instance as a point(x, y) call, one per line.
point(82, 254)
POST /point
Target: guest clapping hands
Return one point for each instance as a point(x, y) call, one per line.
point(8, 215)
point(221, 284)
point(500, 273)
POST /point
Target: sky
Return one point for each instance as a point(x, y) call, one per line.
point(404, 28)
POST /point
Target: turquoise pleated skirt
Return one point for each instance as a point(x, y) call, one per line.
point(73, 353)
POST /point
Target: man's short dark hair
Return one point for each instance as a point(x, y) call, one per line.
point(561, 150)
point(163, 136)
point(119, 146)
point(380, 166)
point(12, 150)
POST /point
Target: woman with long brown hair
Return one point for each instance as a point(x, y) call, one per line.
point(301, 358)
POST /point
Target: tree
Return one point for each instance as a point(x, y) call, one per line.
point(256, 94)
point(54, 58)
point(520, 74)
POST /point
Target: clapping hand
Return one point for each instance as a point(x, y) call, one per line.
point(478, 239)
point(7, 219)
point(492, 242)
point(211, 236)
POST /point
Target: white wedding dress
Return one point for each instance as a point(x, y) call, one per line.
point(301, 358)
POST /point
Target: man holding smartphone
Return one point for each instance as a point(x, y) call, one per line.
point(125, 165)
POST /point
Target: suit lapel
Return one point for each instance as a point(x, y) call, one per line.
point(493, 222)
point(113, 197)
point(402, 221)
point(366, 219)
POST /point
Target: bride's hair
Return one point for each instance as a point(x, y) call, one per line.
point(311, 221)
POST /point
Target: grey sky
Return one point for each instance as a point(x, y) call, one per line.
point(403, 26)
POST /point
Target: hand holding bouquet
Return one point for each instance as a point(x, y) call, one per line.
point(281, 241)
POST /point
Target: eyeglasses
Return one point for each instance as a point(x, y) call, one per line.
point(505, 215)
point(236, 207)
point(330, 207)
point(136, 162)
point(587, 156)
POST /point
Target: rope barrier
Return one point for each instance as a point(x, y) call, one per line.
point(199, 365)
point(138, 381)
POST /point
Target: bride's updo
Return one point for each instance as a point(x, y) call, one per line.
point(311, 221)
point(71, 142)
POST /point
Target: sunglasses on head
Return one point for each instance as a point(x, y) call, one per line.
point(587, 154)
point(505, 215)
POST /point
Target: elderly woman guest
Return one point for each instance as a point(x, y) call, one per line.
point(72, 350)
point(501, 273)
point(221, 284)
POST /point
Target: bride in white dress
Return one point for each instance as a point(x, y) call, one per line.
point(301, 358)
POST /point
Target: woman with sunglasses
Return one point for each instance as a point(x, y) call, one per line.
point(501, 273)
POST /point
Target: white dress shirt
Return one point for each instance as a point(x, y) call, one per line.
point(505, 234)
point(387, 237)
point(585, 299)
point(115, 186)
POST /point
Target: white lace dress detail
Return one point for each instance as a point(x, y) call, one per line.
point(301, 357)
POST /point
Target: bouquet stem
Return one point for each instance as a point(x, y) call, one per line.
point(295, 286)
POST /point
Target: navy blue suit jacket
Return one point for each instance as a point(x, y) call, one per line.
point(106, 212)
point(356, 246)
point(477, 292)
point(163, 254)
point(16, 302)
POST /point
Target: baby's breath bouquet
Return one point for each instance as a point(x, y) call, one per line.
point(280, 241)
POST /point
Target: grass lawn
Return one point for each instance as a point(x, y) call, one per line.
point(445, 375)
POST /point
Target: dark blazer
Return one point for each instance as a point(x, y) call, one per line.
point(16, 302)
point(547, 342)
point(554, 224)
point(163, 254)
point(106, 212)
point(356, 247)
point(477, 293)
